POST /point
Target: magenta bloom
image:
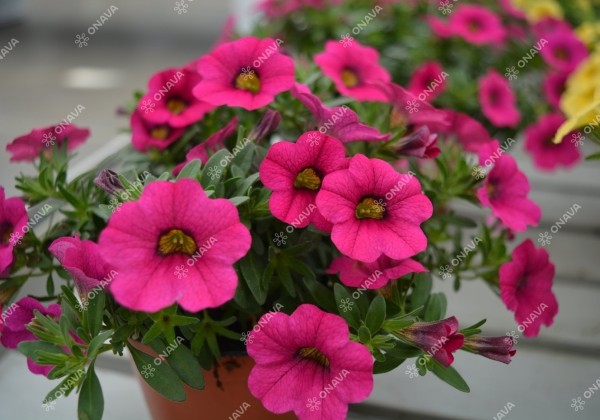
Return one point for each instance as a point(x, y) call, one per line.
point(15, 332)
point(439, 338)
point(526, 288)
point(169, 100)
point(498, 101)
point(505, 191)
point(500, 349)
point(210, 145)
point(511, 10)
point(278, 8)
point(246, 73)
point(475, 24)
point(354, 69)
point(563, 51)
point(295, 172)
point(84, 263)
point(547, 155)
point(146, 135)
point(374, 210)
point(13, 220)
point(339, 122)
point(373, 275)
point(471, 134)
point(299, 356)
point(427, 81)
point(554, 86)
point(174, 244)
point(420, 143)
point(28, 147)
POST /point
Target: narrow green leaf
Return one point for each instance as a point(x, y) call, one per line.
point(190, 170)
point(345, 306)
point(252, 271)
point(376, 314)
point(449, 375)
point(91, 399)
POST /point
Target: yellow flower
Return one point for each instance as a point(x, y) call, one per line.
point(539, 9)
point(589, 117)
point(589, 33)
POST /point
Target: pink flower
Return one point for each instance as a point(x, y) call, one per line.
point(339, 122)
point(13, 220)
point(295, 172)
point(500, 349)
point(564, 51)
point(279, 8)
point(554, 86)
point(420, 143)
point(174, 244)
point(246, 73)
point(299, 356)
point(427, 81)
point(373, 275)
point(475, 24)
point(146, 135)
point(439, 338)
point(169, 100)
point(546, 154)
point(510, 8)
point(15, 332)
point(28, 147)
point(526, 288)
point(374, 210)
point(498, 101)
point(471, 134)
point(548, 26)
point(505, 191)
point(84, 263)
point(353, 69)
point(210, 145)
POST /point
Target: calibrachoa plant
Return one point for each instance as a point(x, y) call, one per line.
point(301, 171)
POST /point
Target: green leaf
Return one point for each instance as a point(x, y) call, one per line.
point(422, 286)
point(214, 162)
point(376, 314)
point(344, 301)
point(449, 375)
point(390, 363)
point(595, 156)
point(252, 271)
point(243, 153)
point(190, 170)
point(91, 400)
point(186, 366)
point(321, 294)
point(97, 343)
point(94, 313)
point(364, 335)
point(286, 278)
point(159, 376)
point(436, 307)
point(237, 201)
point(31, 349)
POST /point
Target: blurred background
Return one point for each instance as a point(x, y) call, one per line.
point(47, 75)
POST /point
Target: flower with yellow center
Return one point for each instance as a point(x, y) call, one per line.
point(160, 132)
point(176, 106)
point(248, 81)
point(370, 208)
point(308, 178)
point(176, 241)
point(350, 78)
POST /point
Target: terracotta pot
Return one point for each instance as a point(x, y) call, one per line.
point(231, 399)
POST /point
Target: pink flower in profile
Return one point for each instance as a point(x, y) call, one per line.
point(295, 172)
point(428, 81)
point(299, 356)
point(13, 220)
point(146, 135)
point(475, 24)
point(174, 244)
point(563, 50)
point(498, 101)
point(354, 69)
point(547, 155)
point(505, 191)
point(170, 101)
point(470, 133)
point(500, 349)
point(246, 73)
point(439, 338)
point(210, 145)
point(340, 122)
point(526, 288)
point(15, 332)
point(420, 143)
point(84, 263)
point(373, 275)
point(374, 210)
point(554, 86)
point(28, 147)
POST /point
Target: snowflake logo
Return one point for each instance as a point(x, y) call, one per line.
point(247, 338)
point(180, 272)
point(544, 238)
point(313, 404)
point(381, 204)
point(81, 40)
point(148, 371)
point(445, 7)
point(83, 306)
point(15, 239)
point(511, 337)
point(313, 139)
point(577, 139)
point(478, 172)
point(511, 73)
point(412, 371)
point(214, 172)
point(48, 139)
point(48, 405)
point(346, 305)
point(148, 106)
point(280, 239)
point(115, 205)
point(412, 106)
point(577, 404)
point(346, 40)
point(247, 73)
point(180, 7)
point(445, 271)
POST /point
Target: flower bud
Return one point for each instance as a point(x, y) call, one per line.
point(500, 349)
point(109, 181)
